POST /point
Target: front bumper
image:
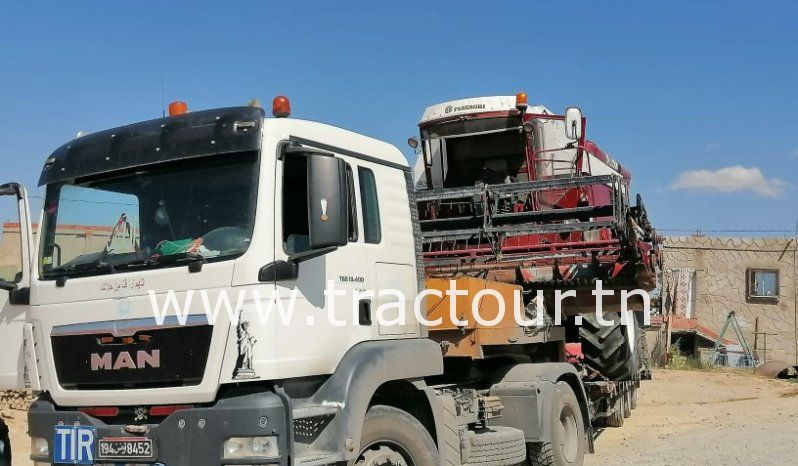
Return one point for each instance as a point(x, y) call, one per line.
point(190, 437)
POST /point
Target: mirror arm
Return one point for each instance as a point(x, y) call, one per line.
point(288, 270)
point(8, 285)
point(20, 296)
point(278, 270)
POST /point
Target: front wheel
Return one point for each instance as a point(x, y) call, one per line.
point(392, 437)
point(567, 445)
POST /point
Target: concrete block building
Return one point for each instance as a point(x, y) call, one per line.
point(707, 277)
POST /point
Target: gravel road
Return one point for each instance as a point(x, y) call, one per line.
point(683, 417)
point(707, 418)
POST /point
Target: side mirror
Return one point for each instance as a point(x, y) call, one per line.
point(414, 144)
point(573, 123)
point(7, 285)
point(328, 202)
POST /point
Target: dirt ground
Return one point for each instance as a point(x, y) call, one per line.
point(683, 417)
point(707, 418)
point(20, 444)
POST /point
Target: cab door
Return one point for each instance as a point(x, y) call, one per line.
point(15, 274)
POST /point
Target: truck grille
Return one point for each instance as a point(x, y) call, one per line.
point(144, 358)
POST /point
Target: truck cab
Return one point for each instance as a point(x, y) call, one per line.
point(185, 258)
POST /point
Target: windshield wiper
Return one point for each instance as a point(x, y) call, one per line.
point(193, 259)
point(79, 270)
point(97, 264)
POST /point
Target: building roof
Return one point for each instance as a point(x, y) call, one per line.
point(685, 325)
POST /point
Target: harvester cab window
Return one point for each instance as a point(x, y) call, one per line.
point(371, 206)
point(483, 150)
point(492, 158)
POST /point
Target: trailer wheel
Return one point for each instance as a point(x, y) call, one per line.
point(568, 432)
point(610, 349)
point(616, 418)
point(392, 437)
point(5, 445)
point(627, 403)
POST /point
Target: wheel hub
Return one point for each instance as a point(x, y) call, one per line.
point(569, 434)
point(382, 455)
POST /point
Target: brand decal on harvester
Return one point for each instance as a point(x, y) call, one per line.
point(463, 108)
point(124, 360)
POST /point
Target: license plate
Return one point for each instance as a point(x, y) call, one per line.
point(124, 448)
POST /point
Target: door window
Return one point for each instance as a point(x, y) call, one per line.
point(10, 240)
point(296, 232)
point(371, 207)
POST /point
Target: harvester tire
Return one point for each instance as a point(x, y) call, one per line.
point(611, 350)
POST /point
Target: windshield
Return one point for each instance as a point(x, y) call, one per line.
point(199, 209)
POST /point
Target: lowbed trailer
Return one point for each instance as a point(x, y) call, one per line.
point(279, 213)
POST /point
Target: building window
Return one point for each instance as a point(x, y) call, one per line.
point(371, 206)
point(763, 283)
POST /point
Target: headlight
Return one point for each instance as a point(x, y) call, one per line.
point(251, 447)
point(39, 447)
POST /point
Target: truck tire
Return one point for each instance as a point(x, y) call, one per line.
point(393, 437)
point(496, 446)
point(616, 418)
point(611, 350)
point(568, 432)
point(627, 403)
point(645, 355)
point(5, 445)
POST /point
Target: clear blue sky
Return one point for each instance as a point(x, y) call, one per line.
point(668, 87)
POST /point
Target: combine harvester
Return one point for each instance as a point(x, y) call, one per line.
point(513, 194)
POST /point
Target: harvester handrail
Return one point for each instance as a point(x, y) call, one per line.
point(511, 188)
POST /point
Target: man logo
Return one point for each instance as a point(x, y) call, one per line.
point(124, 360)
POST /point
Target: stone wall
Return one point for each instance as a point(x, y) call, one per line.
point(15, 399)
point(721, 266)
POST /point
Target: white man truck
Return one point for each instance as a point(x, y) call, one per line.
point(310, 234)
